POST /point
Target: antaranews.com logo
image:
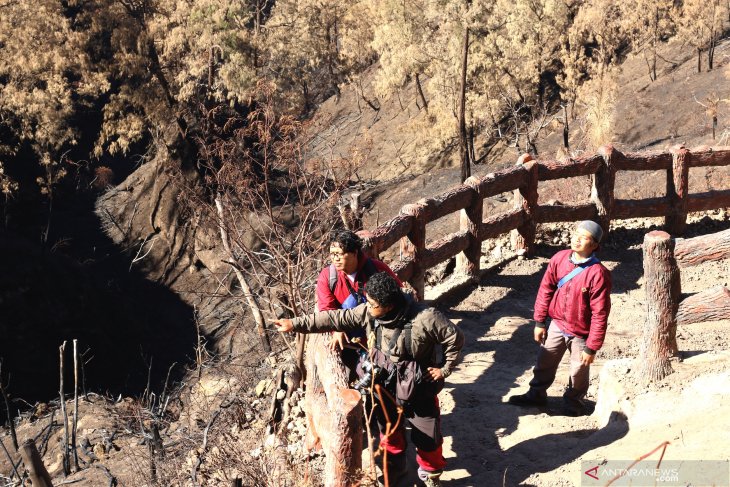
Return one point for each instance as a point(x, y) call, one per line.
point(714, 473)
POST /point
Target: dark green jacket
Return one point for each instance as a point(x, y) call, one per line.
point(430, 328)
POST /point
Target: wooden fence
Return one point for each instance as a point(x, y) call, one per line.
point(663, 258)
point(523, 179)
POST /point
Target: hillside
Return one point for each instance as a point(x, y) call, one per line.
point(214, 427)
point(648, 116)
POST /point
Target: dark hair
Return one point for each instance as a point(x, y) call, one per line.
point(347, 240)
point(384, 290)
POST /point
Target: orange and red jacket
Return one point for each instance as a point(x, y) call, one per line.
point(330, 300)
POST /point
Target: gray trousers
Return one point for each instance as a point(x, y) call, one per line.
point(548, 360)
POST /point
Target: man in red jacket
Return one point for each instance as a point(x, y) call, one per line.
point(575, 293)
point(341, 285)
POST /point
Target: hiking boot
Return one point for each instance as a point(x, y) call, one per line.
point(575, 409)
point(527, 400)
point(430, 479)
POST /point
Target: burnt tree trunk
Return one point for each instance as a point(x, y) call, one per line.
point(525, 198)
point(663, 289)
point(421, 95)
point(33, 463)
point(566, 129)
point(699, 60)
point(678, 191)
point(463, 142)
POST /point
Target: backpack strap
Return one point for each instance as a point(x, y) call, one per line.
point(333, 277)
point(562, 282)
point(367, 270)
point(405, 331)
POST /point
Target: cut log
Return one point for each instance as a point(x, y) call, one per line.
point(710, 305)
point(446, 247)
point(646, 208)
point(569, 212)
point(705, 248)
point(470, 220)
point(644, 161)
point(507, 179)
point(708, 200)
point(663, 289)
point(391, 231)
point(548, 170)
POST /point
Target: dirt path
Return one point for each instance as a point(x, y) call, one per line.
point(490, 443)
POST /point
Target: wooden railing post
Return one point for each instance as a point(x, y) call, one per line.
point(33, 463)
point(678, 191)
point(602, 188)
point(470, 221)
point(415, 245)
point(525, 198)
point(369, 245)
point(663, 290)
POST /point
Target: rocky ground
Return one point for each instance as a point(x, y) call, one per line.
point(493, 443)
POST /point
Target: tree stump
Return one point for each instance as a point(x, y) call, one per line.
point(663, 290)
point(334, 414)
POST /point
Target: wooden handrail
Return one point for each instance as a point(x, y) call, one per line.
point(467, 199)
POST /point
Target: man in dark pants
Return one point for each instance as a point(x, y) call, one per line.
point(403, 334)
point(575, 293)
